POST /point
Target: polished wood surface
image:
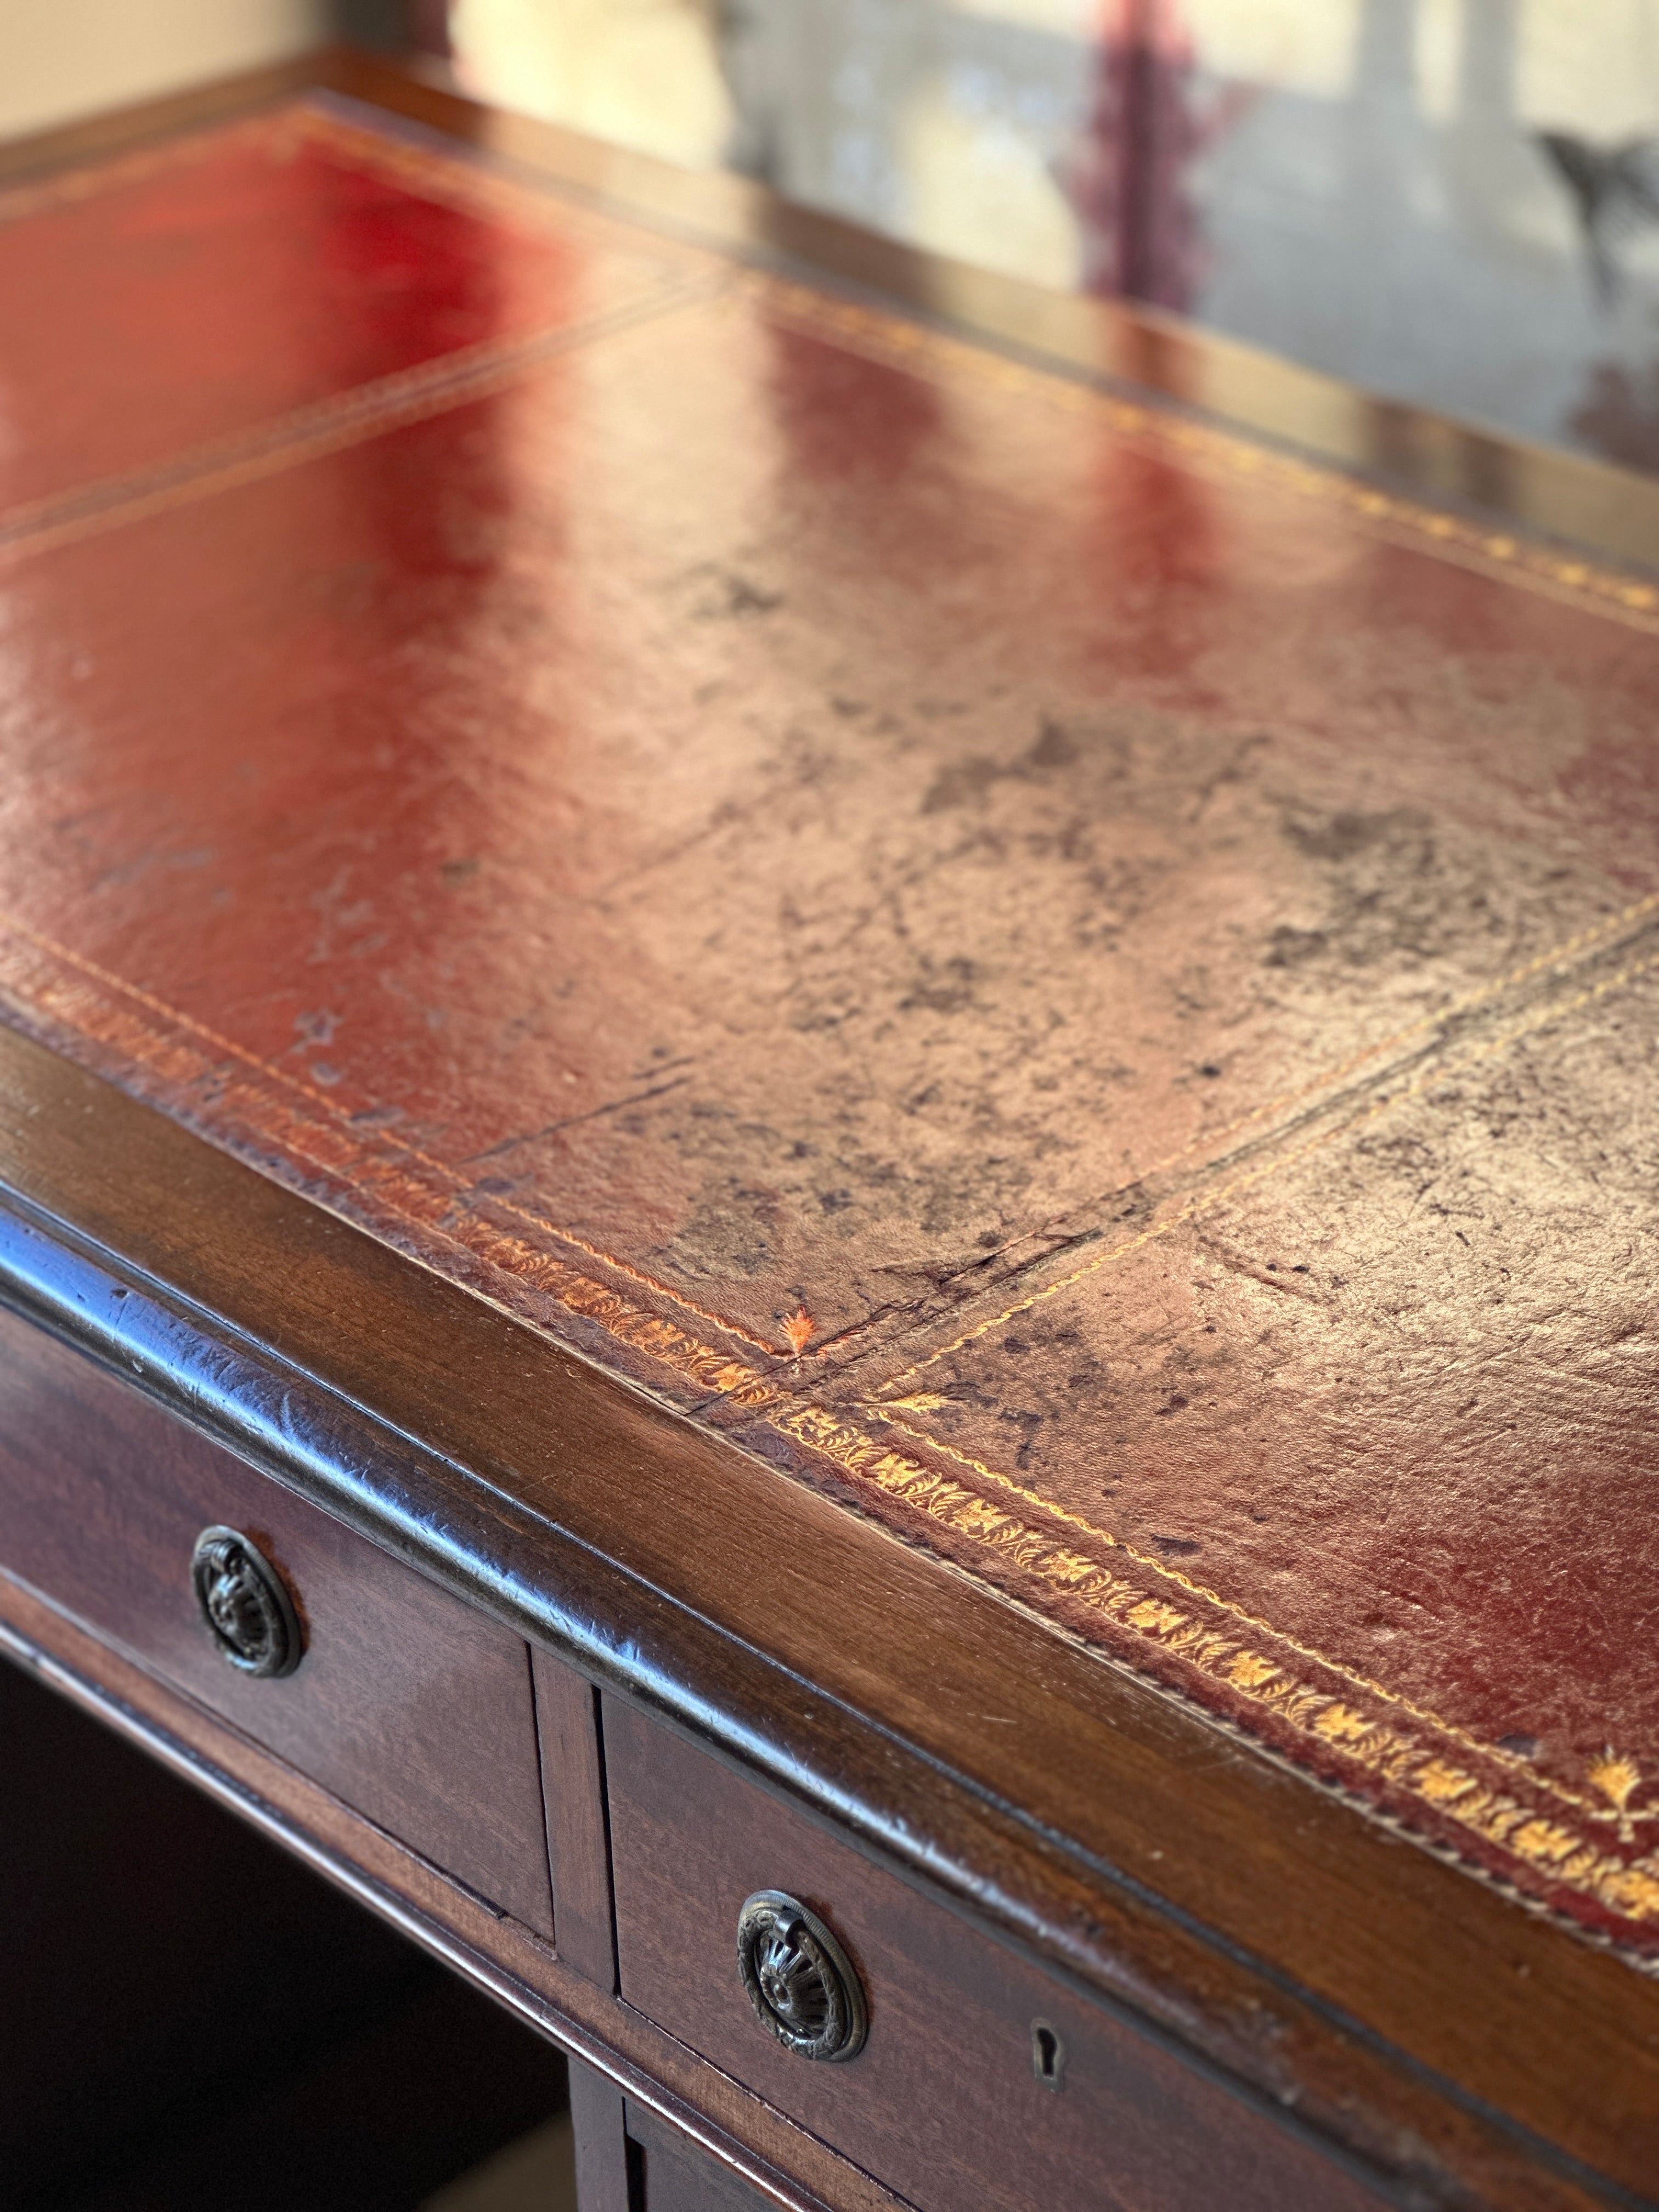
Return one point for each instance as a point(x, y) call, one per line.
point(672, 2178)
point(943, 2100)
point(407, 1704)
point(578, 1832)
point(507, 1960)
point(1133, 1855)
point(603, 2179)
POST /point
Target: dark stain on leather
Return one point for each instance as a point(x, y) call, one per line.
point(935, 865)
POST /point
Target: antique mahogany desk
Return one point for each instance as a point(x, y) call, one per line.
point(827, 1168)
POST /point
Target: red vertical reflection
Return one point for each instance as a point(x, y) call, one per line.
point(428, 27)
point(1154, 549)
point(839, 415)
point(1128, 179)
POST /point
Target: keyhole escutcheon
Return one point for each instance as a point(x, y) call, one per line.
point(1048, 2055)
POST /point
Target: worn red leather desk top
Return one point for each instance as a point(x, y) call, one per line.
point(1085, 987)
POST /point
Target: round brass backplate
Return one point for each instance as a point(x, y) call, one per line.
point(801, 1983)
point(246, 1604)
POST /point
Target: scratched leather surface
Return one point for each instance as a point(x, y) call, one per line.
point(748, 826)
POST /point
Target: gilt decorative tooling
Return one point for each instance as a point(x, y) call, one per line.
point(1087, 986)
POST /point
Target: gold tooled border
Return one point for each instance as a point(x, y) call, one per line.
point(1571, 952)
point(459, 179)
point(1077, 1576)
point(1556, 1837)
point(309, 433)
point(1224, 456)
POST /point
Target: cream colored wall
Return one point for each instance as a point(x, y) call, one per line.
point(643, 73)
point(62, 59)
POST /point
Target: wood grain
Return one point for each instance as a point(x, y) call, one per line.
point(499, 1955)
point(407, 1704)
point(675, 2177)
point(1480, 2056)
point(596, 2113)
point(578, 1838)
point(942, 2101)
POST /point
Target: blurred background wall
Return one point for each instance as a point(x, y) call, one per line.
point(64, 59)
point(61, 60)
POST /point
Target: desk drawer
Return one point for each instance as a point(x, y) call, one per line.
point(406, 1705)
point(943, 2104)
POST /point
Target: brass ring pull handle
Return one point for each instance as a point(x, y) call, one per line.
point(800, 1981)
point(246, 1604)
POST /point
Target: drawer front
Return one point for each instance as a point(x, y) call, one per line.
point(943, 2104)
point(406, 1705)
